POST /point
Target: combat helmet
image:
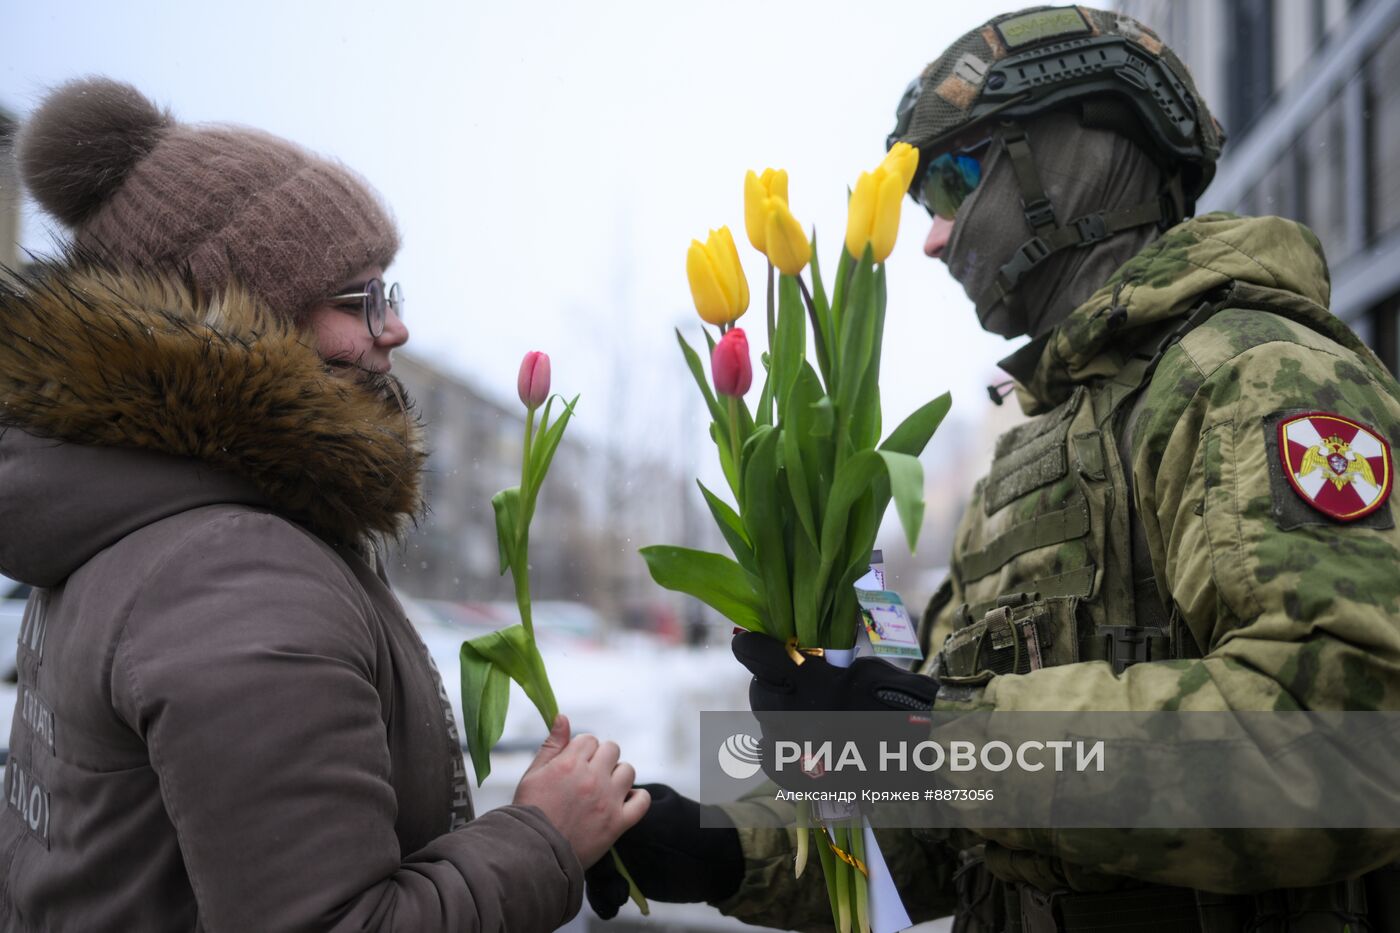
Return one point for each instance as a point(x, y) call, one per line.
point(1111, 70)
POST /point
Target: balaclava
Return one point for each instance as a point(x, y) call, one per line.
point(219, 203)
point(1083, 170)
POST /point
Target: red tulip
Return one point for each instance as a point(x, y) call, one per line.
point(730, 366)
point(533, 383)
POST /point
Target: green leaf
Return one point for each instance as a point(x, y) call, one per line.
point(633, 890)
point(844, 267)
point(855, 336)
point(906, 477)
point(801, 449)
point(762, 515)
point(542, 452)
point(507, 506)
point(853, 481)
point(720, 435)
point(485, 698)
point(819, 301)
point(823, 417)
point(697, 370)
point(714, 579)
point(512, 650)
point(731, 527)
point(914, 432)
point(806, 604)
point(791, 341)
point(865, 409)
point(764, 413)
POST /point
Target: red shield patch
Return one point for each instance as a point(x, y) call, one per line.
point(1340, 467)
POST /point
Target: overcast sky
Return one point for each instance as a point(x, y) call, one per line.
point(549, 163)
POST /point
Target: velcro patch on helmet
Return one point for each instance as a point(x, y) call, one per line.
point(1340, 467)
point(1130, 28)
point(957, 92)
point(1041, 26)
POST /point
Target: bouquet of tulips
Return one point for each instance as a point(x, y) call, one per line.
point(809, 474)
point(491, 662)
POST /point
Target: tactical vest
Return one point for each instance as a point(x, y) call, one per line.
point(1046, 561)
point(1053, 569)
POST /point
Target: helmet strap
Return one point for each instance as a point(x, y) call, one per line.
point(1050, 237)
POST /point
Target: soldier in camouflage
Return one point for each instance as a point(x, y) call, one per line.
point(1195, 517)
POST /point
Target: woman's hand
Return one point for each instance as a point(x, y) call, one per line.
point(583, 790)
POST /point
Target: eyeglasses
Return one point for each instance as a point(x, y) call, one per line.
point(375, 303)
point(949, 178)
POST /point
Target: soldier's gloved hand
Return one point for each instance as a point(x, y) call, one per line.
point(670, 856)
point(781, 686)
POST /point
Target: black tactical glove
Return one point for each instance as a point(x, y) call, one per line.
point(670, 856)
point(782, 686)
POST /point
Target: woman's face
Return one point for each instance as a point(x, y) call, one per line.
point(342, 335)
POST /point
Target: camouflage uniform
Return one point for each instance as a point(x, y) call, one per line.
point(1223, 589)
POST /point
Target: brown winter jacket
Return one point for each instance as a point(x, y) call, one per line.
point(224, 720)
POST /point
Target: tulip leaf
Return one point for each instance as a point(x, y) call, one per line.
point(531, 481)
point(762, 515)
point(485, 699)
point(764, 414)
point(512, 650)
point(806, 609)
point(801, 451)
point(839, 298)
point(488, 663)
point(697, 370)
point(542, 452)
point(720, 435)
point(865, 409)
point(906, 484)
point(914, 432)
point(853, 480)
point(506, 504)
point(714, 579)
point(819, 301)
point(855, 336)
point(823, 417)
point(731, 527)
point(792, 336)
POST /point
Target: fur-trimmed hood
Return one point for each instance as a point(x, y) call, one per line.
point(138, 365)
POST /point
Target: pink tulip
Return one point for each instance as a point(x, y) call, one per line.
point(533, 383)
point(730, 366)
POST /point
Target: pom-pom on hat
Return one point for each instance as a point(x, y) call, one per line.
point(222, 203)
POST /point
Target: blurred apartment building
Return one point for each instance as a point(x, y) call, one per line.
point(1309, 94)
point(597, 507)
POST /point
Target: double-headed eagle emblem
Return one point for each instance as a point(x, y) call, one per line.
point(1337, 462)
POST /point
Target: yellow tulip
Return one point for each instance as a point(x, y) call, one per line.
point(788, 248)
point(773, 183)
point(717, 282)
point(903, 160)
point(872, 216)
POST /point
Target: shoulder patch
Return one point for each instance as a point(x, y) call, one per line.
point(1340, 467)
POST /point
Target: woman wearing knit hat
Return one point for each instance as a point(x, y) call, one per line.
point(225, 720)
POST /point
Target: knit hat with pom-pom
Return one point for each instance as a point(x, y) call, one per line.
point(221, 203)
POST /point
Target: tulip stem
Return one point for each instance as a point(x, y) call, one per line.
point(816, 331)
point(734, 443)
point(772, 319)
point(520, 563)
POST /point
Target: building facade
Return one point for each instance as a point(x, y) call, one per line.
point(596, 508)
point(1306, 91)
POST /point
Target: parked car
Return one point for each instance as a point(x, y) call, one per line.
point(13, 596)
